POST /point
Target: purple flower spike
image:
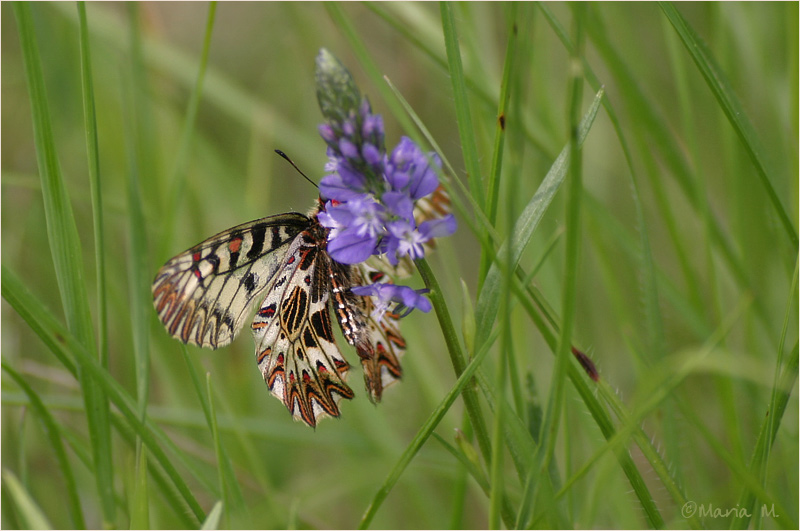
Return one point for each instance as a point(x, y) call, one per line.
point(372, 195)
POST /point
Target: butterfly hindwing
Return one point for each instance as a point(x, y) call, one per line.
point(203, 295)
point(295, 347)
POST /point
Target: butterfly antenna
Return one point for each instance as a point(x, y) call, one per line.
point(284, 155)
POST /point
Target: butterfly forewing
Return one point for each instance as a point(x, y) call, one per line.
point(203, 295)
point(295, 348)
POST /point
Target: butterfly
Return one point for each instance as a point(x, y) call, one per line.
point(205, 295)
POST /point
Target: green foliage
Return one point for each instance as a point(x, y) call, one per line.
point(625, 183)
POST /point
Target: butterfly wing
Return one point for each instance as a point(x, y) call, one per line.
point(295, 348)
point(203, 295)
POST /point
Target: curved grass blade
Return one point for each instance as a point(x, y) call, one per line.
point(423, 434)
point(65, 247)
point(236, 513)
point(726, 97)
point(489, 297)
point(178, 175)
point(466, 132)
point(53, 432)
point(784, 381)
point(140, 507)
point(93, 157)
point(213, 518)
point(27, 509)
point(64, 344)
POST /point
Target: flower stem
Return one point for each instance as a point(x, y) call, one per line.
point(456, 356)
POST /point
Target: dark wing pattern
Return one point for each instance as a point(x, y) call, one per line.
point(295, 348)
point(203, 295)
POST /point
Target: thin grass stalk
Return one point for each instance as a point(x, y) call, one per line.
point(655, 125)
point(177, 178)
point(53, 433)
point(493, 184)
point(29, 512)
point(138, 271)
point(784, 380)
point(63, 344)
point(553, 410)
point(65, 248)
point(361, 50)
point(425, 432)
point(93, 157)
point(457, 357)
point(729, 103)
point(472, 467)
point(466, 132)
point(139, 499)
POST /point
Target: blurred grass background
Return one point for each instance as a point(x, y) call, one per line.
point(708, 297)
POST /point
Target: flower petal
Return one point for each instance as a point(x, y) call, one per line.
point(350, 248)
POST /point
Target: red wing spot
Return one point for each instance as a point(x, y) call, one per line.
point(306, 377)
point(235, 245)
point(280, 358)
point(291, 377)
point(197, 274)
point(291, 259)
point(196, 256)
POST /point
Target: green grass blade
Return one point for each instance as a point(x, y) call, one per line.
point(463, 115)
point(93, 156)
point(493, 184)
point(784, 381)
point(554, 408)
point(53, 433)
point(236, 512)
point(361, 50)
point(140, 506)
point(65, 248)
point(457, 357)
point(139, 274)
point(214, 517)
point(26, 507)
point(652, 123)
point(489, 297)
point(178, 175)
point(58, 339)
point(729, 102)
point(471, 465)
point(422, 435)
